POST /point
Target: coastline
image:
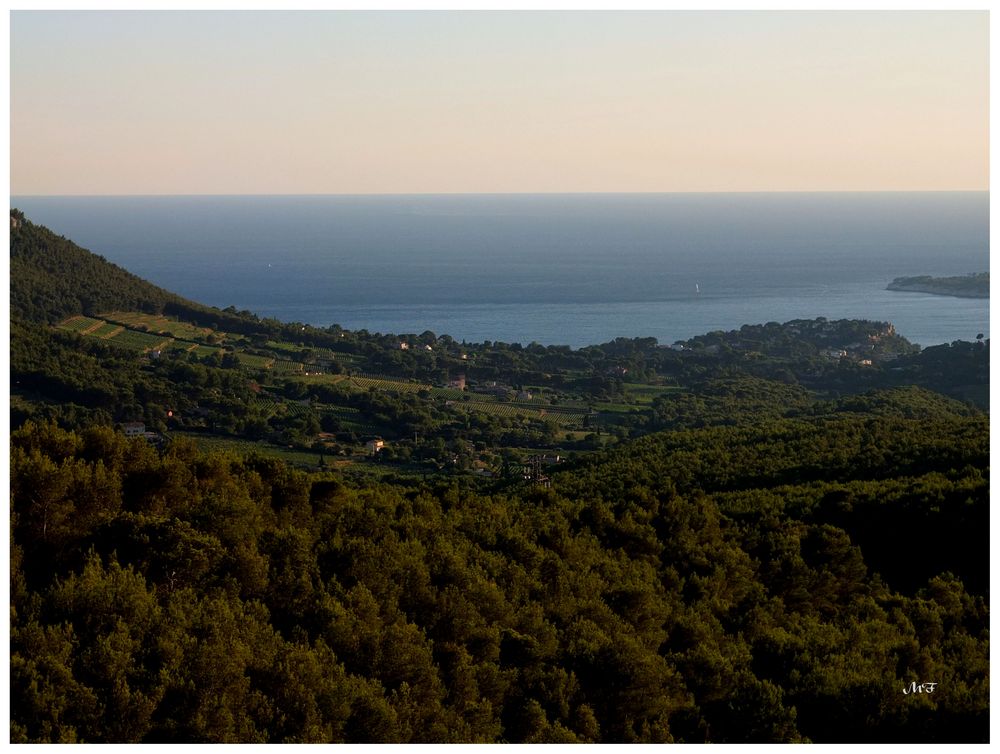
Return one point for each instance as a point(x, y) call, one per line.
point(973, 285)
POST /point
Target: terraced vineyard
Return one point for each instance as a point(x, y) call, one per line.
point(138, 341)
point(563, 418)
point(181, 346)
point(148, 332)
point(497, 409)
point(118, 334)
point(324, 379)
point(452, 394)
point(294, 408)
point(79, 324)
point(293, 353)
point(156, 323)
point(106, 330)
point(345, 413)
point(281, 366)
point(266, 406)
point(380, 382)
point(269, 406)
point(253, 361)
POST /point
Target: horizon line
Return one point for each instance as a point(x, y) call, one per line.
point(502, 193)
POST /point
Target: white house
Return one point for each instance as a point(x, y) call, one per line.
point(134, 429)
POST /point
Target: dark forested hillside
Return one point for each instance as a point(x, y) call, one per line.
point(52, 278)
point(699, 588)
point(762, 535)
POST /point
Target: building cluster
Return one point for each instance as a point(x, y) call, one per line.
point(138, 429)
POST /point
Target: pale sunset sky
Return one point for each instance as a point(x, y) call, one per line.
point(277, 102)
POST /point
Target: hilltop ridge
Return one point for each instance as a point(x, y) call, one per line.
point(53, 278)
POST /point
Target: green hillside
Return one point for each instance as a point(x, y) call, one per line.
point(778, 533)
point(53, 278)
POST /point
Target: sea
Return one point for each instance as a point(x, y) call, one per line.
point(556, 269)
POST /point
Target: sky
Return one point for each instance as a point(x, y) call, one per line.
point(338, 102)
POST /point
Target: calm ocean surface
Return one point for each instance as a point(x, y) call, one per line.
point(556, 269)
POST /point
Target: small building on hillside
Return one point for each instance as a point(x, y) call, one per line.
point(458, 383)
point(134, 429)
point(375, 446)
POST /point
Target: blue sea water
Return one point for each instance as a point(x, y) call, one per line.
point(571, 269)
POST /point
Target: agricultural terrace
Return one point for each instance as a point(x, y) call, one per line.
point(282, 366)
point(140, 341)
point(345, 414)
point(648, 393)
point(449, 393)
point(106, 331)
point(166, 334)
point(182, 346)
point(80, 324)
point(365, 382)
point(252, 361)
point(514, 410)
point(157, 323)
point(128, 337)
point(268, 406)
point(308, 459)
point(203, 351)
point(294, 352)
point(381, 382)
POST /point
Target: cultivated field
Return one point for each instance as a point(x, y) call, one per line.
point(80, 324)
point(138, 341)
point(157, 323)
point(146, 332)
